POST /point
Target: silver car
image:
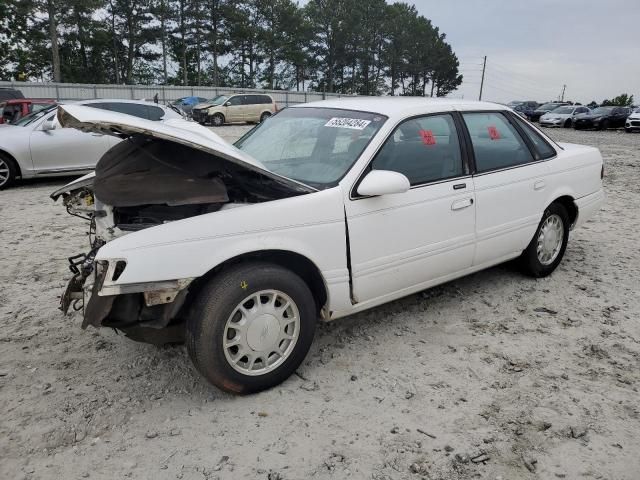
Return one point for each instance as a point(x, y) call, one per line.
point(36, 146)
point(562, 116)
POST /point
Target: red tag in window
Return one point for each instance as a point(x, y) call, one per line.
point(493, 133)
point(427, 137)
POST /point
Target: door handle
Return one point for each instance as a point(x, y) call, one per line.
point(539, 185)
point(460, 204)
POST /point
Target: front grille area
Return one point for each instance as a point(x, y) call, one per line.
point(199, 115)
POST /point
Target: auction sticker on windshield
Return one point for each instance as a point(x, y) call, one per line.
point(353, 123)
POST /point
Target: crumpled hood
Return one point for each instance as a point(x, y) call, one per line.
point(180, 131)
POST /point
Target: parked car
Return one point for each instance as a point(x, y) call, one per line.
point(186, 104)
point(327, 209)
point(7, 93)
point(524, 110)
point(633, 121)
point(602, 118)
point(562, 116)
point(252, 108)
point(547, 107)
point(530, 104)
point(36, 145)
point(13, 110)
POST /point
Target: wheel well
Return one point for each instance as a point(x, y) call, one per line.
point(15, 163)
point(299, 264)
point(567, 202)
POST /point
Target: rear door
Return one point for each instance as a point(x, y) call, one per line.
point(510, 185)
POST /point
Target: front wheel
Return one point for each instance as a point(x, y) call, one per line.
point(567, 124)
point(604, 125)
point(546, 249)
point(217, 120)
point(251, 327)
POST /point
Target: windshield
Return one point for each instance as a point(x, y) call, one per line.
point(219, 100)
point(563, 110)
point(315, 146)
point(32, 117)
point(602, 110)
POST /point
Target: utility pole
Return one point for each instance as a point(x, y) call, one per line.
point(484, 66)
point(564, 87)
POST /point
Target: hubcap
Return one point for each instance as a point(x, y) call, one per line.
point(261, 332)
point(550, 239)
point(217, 121)
point(4, 172)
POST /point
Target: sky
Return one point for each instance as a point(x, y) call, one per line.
point(534, 47)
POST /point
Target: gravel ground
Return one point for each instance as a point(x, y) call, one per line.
point(492, 376)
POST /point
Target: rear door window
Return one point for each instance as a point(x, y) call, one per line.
point(496, 143)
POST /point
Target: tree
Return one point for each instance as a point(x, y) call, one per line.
point(622, 100)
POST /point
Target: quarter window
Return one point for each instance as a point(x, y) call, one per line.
point(496, 143)
point(423, 149)
point(541, 146)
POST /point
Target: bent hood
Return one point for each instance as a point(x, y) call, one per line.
point(178, 131)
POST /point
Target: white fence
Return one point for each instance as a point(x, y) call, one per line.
point(166, 94)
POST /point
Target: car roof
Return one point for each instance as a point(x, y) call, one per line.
point(393, 106)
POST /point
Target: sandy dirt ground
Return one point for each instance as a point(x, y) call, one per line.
point(493, 376)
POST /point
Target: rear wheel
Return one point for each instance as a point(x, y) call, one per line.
point(604, 125)
point(8, 171)
point(548, 245)
point(251, 327)
point(217, 120)
point(568, 123)
point(264, 116)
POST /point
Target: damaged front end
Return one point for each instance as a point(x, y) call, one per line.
point(146, 181)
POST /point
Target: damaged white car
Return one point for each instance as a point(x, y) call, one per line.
point(323, 210)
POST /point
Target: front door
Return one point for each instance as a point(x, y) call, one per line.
point(234, 109)
point(65, 149)
point(406, 242)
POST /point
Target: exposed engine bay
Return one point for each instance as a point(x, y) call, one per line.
point(141, 183)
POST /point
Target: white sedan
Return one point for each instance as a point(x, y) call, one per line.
point(36, 146)
point(562, 116)
point(324, 210)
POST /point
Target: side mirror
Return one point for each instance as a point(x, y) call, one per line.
point(228, 104)
point(48, 125)
point(383, 182)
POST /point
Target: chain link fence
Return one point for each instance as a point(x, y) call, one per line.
point(166, 94)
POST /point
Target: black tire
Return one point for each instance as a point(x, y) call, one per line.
point(264, 116)
point(217, 120)
point(214, 305)
point(604, 125)
point(628, 130)
point(8, 171)
point(529, 261)
point(568, 123)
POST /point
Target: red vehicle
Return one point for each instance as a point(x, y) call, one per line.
point(16, 108)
